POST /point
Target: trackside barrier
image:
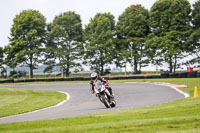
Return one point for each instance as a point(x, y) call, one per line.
point(193, 74)
point(7, 81)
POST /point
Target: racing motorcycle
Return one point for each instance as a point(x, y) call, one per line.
point(103, 94)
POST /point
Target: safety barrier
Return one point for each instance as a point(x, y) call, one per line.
point(193, 74)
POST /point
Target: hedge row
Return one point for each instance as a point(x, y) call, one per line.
point(194, 74)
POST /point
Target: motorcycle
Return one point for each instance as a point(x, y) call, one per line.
point(104, 95)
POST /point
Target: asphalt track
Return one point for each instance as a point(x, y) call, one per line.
point(81, 102)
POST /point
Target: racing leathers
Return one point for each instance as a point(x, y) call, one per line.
point(105, 82)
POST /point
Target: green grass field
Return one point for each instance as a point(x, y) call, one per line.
point(17, 101)
point(175, 117)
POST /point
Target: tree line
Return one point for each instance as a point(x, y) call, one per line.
point(168, 33)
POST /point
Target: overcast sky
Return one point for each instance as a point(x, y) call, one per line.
point(51, 8)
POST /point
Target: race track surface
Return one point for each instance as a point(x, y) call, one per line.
point(81, 102)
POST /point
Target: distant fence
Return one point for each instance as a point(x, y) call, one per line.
point(193, 74)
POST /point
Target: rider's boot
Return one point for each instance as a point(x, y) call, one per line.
point(111, 93)
point(112, 96)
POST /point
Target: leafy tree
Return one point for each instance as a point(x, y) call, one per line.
point(170, 24)
point(99, 40)
point(17, 74)
point(154, 53)
point(64, 42)
point(194, 40)
point(1, 57)
point(132, 27)
point(26, 41)
point(3, 71)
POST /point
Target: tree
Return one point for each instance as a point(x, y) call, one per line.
point(170, 24)
point(64, 41)
point(132, 27)
point(99, 41)
point(27, 39)
point(2, 69)
point(1, 57)
point(194, 40)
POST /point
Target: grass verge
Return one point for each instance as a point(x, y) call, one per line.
point(178, 116)
point(17, 101)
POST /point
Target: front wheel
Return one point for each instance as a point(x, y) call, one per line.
point(105, 101)
point(112, 101)
point(113, 104)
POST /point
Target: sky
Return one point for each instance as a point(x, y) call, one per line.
point(87, 9)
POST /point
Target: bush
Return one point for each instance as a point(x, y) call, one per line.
point(17, 74)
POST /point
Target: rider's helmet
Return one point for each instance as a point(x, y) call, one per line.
point(94, 75)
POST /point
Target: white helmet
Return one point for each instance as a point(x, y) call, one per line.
point(94, 75)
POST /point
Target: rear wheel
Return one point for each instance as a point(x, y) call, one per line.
point(105, 101)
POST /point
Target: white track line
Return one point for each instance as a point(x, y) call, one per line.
point(59, 104)
point(178, 90)
point(186, 95)
point(67, 99)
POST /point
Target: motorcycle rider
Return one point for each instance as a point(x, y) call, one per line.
point(94, 77)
